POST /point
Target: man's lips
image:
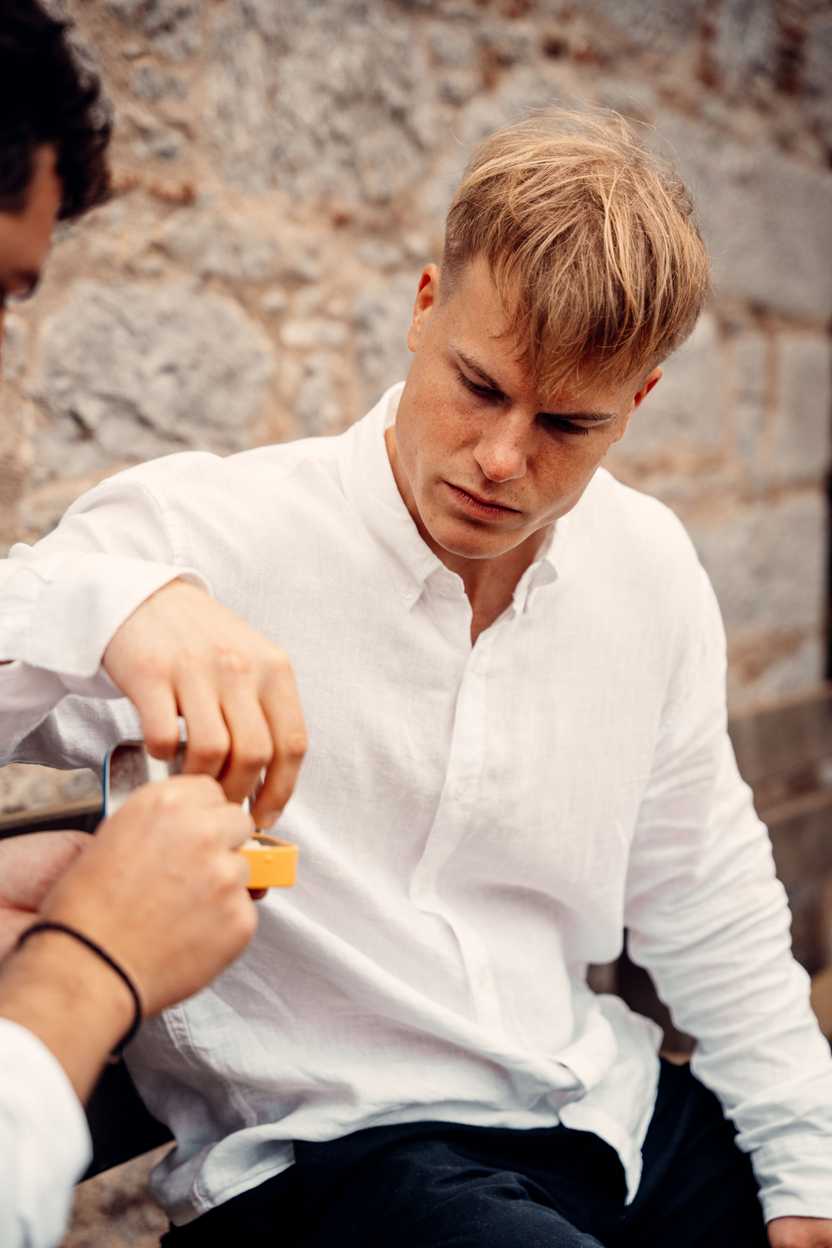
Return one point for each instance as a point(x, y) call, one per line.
point(475, 501)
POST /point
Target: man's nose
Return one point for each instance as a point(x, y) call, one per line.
point(502, 453)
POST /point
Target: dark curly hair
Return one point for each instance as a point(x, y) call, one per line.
point(49, 96)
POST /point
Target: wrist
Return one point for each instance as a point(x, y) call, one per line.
point(70, 999)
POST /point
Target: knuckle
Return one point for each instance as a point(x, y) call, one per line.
point(165, 795)
point(276, 796)
point(240, 924)
point(279, 663)
point(254, 755)
point(209, 751)
point(297, 743)
point(211, 850)
point(149, 666)
point(161, 744)
point(231, 661)
point(247, 923)
point(201, 787)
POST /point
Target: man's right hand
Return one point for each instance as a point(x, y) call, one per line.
point(183, 653)
point(161, 888)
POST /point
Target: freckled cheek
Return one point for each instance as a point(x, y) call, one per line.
point(566, 478)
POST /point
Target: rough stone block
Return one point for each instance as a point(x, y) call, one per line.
point(767, 561)
point(228, 245)
point(684, 411)
point(303, 334)
point(790, 672)
point(381, 318)
point(151, 138)
point(749, 352)
point(24, 787)
point(13, 347)
point(319, 404)
point(746, 43)
point(156, 85)
point(116, 1209)
point(173, 26)
point(655, 28)
point(520, 90)
point(129, 371)
point(353, 125)
point(817, 72)
point(803, 408)
point(767, 219)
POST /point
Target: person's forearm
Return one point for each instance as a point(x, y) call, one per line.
point(70, 999)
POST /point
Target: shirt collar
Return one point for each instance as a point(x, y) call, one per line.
point(369, 483)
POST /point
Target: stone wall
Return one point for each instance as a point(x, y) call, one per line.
point(281, 171)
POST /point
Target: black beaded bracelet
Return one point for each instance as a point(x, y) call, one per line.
point(138, 1016)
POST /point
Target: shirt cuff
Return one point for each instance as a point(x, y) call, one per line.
point(795, 1181)
point(75, 610)
point(53, 1141)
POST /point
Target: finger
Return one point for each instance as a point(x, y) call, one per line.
point(208, 738)
point(196, 790)
point(158, 715)
point(31, 864)
point(243, 868)
point(282, 711)
point(252, 748)
point(234, 826)
point(228, 828)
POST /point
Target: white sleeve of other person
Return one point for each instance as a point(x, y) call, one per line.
point(44, 1141)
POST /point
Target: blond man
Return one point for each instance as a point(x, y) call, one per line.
point(512, 669)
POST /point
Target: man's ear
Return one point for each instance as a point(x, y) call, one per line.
point(426, 298)
point(647, 385)
point(641, 394)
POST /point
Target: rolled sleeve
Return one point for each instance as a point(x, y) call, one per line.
point(63, 599)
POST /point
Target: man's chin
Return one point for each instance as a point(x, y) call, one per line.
point(479, 545)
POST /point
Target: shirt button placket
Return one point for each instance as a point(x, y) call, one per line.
point(456, 815)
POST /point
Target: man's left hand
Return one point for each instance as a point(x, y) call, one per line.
point(800, 1233)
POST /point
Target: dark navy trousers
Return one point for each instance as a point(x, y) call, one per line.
point(431, 1185)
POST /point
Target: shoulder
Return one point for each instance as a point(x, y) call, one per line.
point(641, 549)
point(201, 485)
point(620, 509)
point(633, 528)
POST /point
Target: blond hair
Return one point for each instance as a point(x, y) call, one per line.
point(591, 242)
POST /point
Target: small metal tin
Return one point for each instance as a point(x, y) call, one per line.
point(272, 862)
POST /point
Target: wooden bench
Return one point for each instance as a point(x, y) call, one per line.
point(784, 753)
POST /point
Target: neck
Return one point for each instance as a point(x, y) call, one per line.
point(489, 582)
point(493, 580)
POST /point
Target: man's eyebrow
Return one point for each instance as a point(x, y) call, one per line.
point(589, 417)
point(478, 369)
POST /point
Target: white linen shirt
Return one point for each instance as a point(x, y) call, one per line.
point(44, 1141)
point(476, 824)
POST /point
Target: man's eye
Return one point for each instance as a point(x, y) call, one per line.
point(557, 424)
point(482, 392)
